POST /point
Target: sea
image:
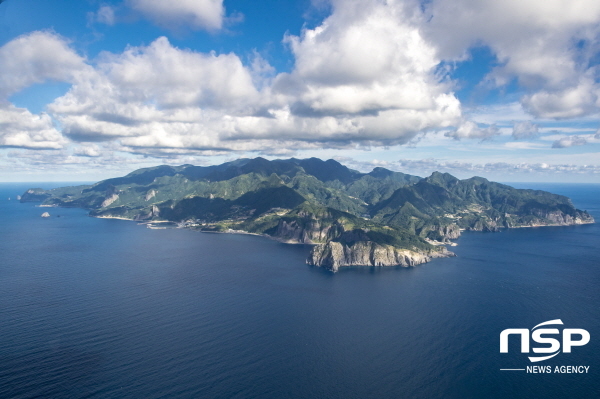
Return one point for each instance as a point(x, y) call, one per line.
point(104, 308)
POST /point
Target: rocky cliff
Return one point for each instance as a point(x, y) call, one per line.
point(443, 233)
point(334, 255)
point(311, 232)
point(558, 218)
point(34, 195)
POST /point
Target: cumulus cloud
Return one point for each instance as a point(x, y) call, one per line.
point(569, 141)
point(35, 58)
point(166, 98)
point(159, 92)
point(525, 130)
point(366, 57)
point(175, 78)
point(368, 75)
point(546, 45)
point(470, 130)
point(194, 14)
point(571, 102)
point(20, 128)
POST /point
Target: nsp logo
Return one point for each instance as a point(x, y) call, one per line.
point(570, 337)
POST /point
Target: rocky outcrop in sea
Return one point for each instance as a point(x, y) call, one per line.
point(334, 255)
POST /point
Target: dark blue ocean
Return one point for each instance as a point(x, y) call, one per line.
point(98, 308)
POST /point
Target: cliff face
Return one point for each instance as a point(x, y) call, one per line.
point(153, 212)
point(334, 255)
point(559, 218)
point(311, 232)
point(485, 225)
point(34, 195)
point(109, 200)
point(450, 232)
point(150, 194)
point(538, 218)
point(443, 233)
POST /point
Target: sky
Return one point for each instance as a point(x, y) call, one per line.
point(508, 90)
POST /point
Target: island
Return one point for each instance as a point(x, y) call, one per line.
point(380, 218)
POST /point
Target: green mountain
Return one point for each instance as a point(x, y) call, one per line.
point(381, 218)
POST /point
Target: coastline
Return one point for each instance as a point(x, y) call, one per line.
point(408, 258)
point(195, 228)
point(549, 225)
point(231, 231)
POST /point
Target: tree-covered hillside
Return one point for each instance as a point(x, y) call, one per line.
point(320, 202)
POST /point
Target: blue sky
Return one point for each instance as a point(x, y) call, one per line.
point(506, 90)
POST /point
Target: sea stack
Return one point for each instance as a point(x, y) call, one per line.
point(45, 215)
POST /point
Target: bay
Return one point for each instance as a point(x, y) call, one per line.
point(108, 308)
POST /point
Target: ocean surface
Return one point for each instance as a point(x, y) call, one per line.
point(100, 308)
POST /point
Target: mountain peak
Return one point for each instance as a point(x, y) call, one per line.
point(328, 170)
point(445, 180)
point(380, 172)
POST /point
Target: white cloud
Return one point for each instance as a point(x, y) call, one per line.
point(368, 75)
point(501, 114)
point(35, 58)
point(427, 166)
point(525, 130)
point(104, 15)
point(569, 141)
point(177, 78)
point(194, 14)
point(157, 91)
point(462, 169)
point(87, 151)
point(20, 128)
point(546, 45)
point(166, 98)
point(470, 130)
point(528, 36)
point(571, 102)
point(366, 57)
point(29, 59)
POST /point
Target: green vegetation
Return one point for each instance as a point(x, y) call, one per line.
point(315, 201)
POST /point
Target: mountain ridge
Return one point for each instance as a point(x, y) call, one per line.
point(380, 218)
